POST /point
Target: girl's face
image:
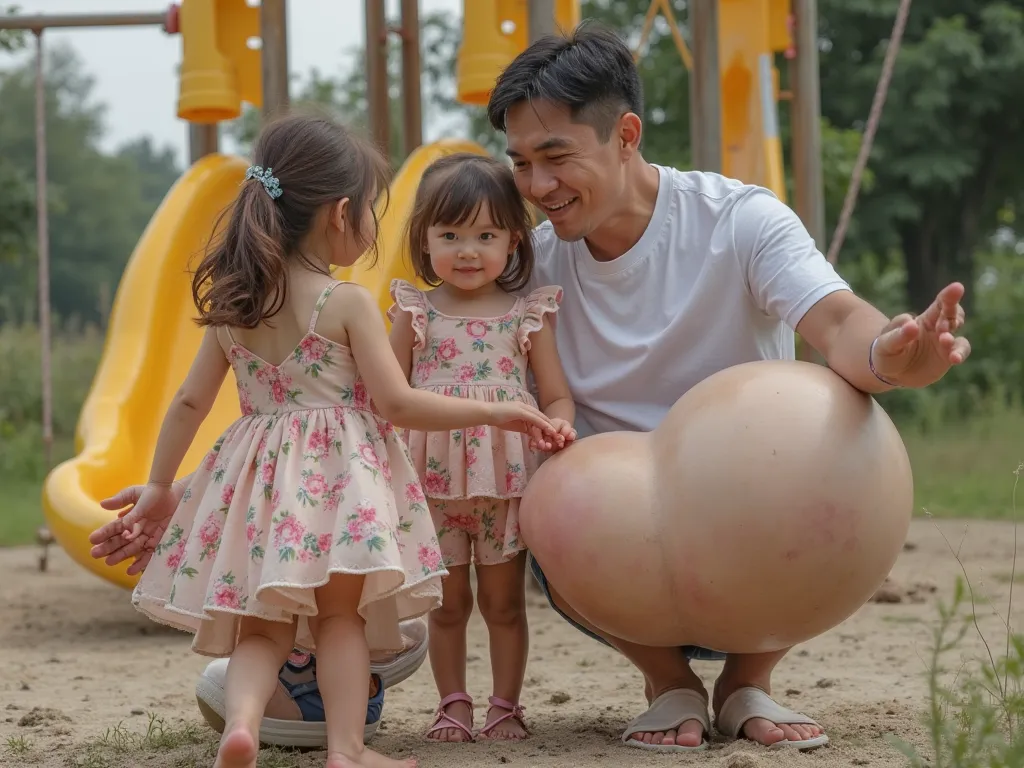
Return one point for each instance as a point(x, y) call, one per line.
point(346, 245)
point(472, 255)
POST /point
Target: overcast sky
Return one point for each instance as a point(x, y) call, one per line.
point(135, 67)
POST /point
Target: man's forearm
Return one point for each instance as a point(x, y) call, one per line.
point(848, 351)
point(842, 327)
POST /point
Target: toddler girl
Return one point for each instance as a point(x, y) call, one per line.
point(305, 524)
point(472, 339)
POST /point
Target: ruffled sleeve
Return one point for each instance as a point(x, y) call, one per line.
point(409, 298)
point(538, 303)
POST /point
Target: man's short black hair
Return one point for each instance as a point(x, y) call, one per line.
point(591, 71)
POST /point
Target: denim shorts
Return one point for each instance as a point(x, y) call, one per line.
point(691, 652)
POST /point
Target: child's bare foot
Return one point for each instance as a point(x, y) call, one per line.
point(368, 759)
point(238, 749)
point(504, 722)
point(455, 711)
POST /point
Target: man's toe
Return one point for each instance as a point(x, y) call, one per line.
point(764, 731)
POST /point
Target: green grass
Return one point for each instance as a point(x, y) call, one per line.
point(966, 470)
point(960, 471)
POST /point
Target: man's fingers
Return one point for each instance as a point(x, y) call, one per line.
point(139, 564)
point(133, 548)
point(961, 351)
point(901, 331)
point(107, 532)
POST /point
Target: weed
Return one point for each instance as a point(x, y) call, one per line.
point(978, 720)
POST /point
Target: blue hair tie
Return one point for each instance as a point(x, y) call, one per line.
point(269, 181)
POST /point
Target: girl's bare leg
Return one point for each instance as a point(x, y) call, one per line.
point(447, 648)
point(343, 666)
point(263, 646)
point(501, 595)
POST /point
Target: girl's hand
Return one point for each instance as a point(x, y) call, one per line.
point(137, 529)
point(520, 417)
point(564, 435)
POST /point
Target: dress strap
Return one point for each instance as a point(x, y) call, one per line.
point(320, 303)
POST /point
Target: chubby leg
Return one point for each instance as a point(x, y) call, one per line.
point(501, 596)
point(250, 681)
point(447, 649)
point(341, 672)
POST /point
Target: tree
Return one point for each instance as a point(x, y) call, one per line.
point(16, 203)
point(951, 138)
point(99, 204)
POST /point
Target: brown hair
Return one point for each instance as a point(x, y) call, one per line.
point(241, 280)
point(451, 192)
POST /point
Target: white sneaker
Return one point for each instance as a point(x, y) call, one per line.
point(295, 715)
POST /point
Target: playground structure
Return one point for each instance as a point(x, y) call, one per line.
point(151, 338)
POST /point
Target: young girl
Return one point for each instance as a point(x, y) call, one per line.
point(472, 339)
point(305, 524)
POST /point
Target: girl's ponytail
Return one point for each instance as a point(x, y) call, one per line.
point(302, 162)
point(241, 281)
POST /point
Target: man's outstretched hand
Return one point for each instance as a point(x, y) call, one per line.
point(138, 535)
point(917, 351)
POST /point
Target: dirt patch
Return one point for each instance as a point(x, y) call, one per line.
point(90, 683)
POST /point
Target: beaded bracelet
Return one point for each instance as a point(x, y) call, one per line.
point(871, 365)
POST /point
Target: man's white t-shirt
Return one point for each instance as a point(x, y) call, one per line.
point(721, 276)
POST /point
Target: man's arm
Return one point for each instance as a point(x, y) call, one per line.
point(789, 278)
point(841, 327)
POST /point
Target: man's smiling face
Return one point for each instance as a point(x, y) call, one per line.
point(563, 167)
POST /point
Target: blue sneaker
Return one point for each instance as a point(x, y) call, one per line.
point(295, 715)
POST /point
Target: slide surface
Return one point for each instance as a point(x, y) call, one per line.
point(152, 339)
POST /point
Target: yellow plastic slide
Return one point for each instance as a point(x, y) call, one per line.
point(152, 339)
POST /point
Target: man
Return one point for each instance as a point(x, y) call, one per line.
point(669, 276)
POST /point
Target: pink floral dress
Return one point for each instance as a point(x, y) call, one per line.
point(310, 481)
point(473, 478)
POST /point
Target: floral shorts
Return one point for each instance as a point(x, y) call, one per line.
point(484, 531)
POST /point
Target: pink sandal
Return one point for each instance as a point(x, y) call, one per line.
point(515, 712)
point(443, 720)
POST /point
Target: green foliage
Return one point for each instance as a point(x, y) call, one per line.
point(978, 720)
point(76, 354)
point(950, 140)
point(99, 204)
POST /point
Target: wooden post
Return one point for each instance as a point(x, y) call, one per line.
point(541, 15)
point(705, 102)
point(43, 237)
point(377, 74)
point(412, 104)
point(274, 56)
point(806, 113)
point(203, 139)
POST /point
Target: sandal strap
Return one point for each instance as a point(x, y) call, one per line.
point(515, 711)
point(443, 720)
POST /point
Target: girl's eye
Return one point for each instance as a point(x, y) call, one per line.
point(448, 235)
point(486, 236)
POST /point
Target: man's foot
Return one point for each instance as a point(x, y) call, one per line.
point(454, 719)
point(746, 711)
point(238, 749)
point(677, 721)
point(367, 758)
point(504, 722)
point(295, 715)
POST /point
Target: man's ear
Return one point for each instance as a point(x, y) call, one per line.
point(630, 129)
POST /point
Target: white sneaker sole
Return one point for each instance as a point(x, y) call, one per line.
point(298, 733)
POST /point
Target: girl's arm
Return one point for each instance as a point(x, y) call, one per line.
point(402, 340)
point(358, 316)
point(553, 395)
point(188, 409)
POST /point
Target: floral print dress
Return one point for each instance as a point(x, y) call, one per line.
point(310, 481)
point(484, 359)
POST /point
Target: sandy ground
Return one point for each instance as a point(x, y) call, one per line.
point(79, 663)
